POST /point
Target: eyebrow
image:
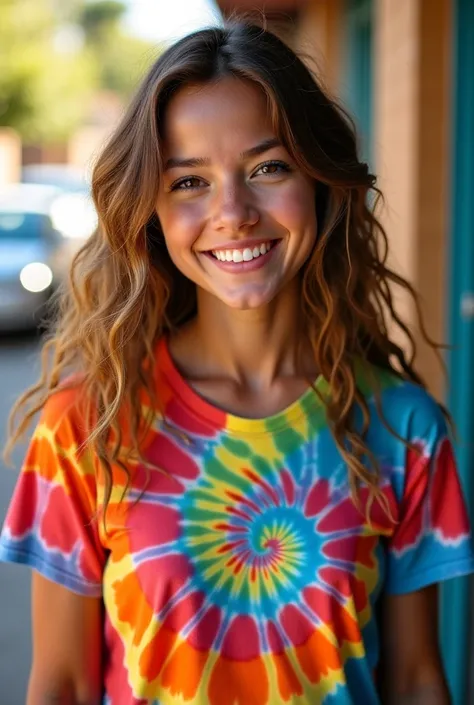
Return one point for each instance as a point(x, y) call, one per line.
point(195, 162)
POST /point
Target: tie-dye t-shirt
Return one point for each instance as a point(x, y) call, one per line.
point(239, 572)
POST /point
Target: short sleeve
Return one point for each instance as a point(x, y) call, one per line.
point(432, 538)
point(51, 524)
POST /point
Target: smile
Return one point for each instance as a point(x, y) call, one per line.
point(246, 254)
point(245, 258)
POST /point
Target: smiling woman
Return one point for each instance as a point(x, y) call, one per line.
point(243, 494)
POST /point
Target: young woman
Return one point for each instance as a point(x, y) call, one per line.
point(239, 491)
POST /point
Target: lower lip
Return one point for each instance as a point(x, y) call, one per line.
point(241, 267)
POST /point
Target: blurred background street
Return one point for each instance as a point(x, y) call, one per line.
point(404, 71)
point(19, 367)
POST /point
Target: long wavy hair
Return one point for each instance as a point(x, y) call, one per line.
point(124, 291)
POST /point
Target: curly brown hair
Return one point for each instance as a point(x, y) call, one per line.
point(124, 291)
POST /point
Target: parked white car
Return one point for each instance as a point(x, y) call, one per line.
point(40, 230)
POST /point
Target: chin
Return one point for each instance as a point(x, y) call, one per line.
point(252, 296)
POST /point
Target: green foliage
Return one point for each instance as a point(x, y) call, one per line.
point(98, 17)
point(121, 59)
point(123, 62)
point(43, 91)
point(55, 55)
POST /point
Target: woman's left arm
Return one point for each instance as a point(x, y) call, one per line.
point(411, 667)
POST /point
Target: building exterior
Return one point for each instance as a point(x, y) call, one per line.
point(404, 69)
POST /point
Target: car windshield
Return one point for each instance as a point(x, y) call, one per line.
point(21, 226)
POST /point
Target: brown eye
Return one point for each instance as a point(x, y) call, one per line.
point(273, 168)
point(187, 184)
point(270, 168)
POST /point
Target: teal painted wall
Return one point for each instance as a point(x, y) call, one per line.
point(358, 73)
point(457, 595)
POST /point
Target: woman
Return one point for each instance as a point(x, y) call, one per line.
point(235, 460)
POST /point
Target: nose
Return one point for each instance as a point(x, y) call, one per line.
point(234, 208)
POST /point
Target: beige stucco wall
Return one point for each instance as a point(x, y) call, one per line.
point(319, 36)
point(411, 147)
point(410, 141)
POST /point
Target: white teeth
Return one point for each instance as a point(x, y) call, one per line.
point(245, 255)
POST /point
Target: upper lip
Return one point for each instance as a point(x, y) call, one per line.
point(241, 244)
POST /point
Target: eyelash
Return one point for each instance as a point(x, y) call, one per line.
point(273, 162)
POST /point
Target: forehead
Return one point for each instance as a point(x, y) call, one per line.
point(229, 112)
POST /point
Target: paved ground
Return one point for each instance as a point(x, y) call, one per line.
point(18, 368)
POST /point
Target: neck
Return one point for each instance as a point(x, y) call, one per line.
point(251, 347)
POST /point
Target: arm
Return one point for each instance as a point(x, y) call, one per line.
point(412, 671)
point(67, 646)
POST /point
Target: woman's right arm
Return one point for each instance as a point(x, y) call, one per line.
point(67, 646)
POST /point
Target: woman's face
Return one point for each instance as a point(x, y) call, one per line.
point(237, 214)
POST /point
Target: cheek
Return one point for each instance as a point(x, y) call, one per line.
point(181, 225)
point(295, 209)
